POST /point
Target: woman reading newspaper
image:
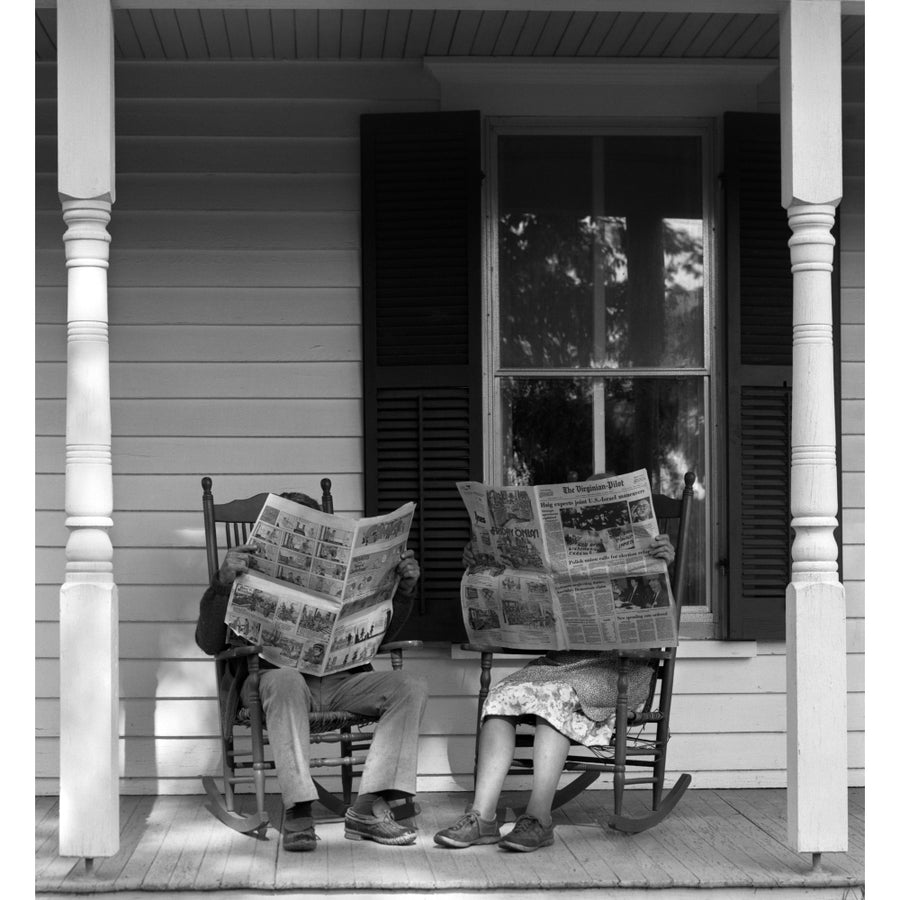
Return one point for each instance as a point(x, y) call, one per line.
point(572, 695)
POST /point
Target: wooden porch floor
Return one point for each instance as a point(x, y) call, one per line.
point(730, 843)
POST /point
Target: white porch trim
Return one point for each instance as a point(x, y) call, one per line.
point(811, 165)
point(88, 631)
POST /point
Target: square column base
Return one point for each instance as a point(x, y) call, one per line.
point(817, 806)
point(89, 720)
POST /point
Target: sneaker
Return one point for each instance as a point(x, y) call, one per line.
point(528, 834)
point(299, 835)
point(469, 829)
point(383, 829)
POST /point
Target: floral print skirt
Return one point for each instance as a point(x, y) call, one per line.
point(555, 701)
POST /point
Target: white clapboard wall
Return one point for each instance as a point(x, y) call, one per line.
point(235, 341)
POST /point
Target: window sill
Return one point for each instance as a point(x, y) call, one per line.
point(687, 649)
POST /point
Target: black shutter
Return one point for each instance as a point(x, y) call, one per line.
point(760, 346)
point(421, 296)
point(760, 316)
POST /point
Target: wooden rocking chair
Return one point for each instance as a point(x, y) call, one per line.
point(631, 752)
point(240, 663)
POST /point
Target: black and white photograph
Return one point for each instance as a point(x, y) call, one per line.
point(501, 366)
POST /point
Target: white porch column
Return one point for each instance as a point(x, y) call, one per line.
point(88, 613)
point(816, 630)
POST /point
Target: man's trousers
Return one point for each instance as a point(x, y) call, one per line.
point(395, 697)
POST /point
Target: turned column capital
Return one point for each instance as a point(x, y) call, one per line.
point(86, 240)
point(812, 243)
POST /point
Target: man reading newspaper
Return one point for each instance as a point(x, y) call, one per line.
point(396, 697)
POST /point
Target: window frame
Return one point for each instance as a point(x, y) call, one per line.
point(697, 621)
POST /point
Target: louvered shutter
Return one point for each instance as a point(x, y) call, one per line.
point(421, 295)
point(759, 325)
point(760, 315)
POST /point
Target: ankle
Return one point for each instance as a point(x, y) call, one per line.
point(301, 810)
point(483, 816)
point(486, 808)
point(364, 803)
point(545, 818)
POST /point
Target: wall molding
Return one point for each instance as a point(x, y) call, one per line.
point(597, 72)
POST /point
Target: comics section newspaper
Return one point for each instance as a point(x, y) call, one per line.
point(319, 594)
point(566, 567)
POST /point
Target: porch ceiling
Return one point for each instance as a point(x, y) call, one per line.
point(354, 34)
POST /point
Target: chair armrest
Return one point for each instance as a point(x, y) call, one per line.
point(239, 652)
point(492, 648)
point(645, 654)
point(622, 654)
point(399, 645)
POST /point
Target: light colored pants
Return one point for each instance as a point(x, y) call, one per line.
point(397, 697)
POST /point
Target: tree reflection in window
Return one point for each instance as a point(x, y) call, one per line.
point(567, 300)
point(600, 308)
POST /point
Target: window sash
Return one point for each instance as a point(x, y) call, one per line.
point(705, 614)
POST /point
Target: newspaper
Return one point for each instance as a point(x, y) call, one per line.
point(566, 567)
point(320, 593)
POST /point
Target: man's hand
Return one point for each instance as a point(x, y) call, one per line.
point(661, 548)
point(408, 569)
point(236, 562)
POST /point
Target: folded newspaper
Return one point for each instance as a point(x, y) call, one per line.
point(320, 593)
point(566, 567)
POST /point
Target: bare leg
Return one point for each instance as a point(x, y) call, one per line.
point(550, 751)
point(496, 745)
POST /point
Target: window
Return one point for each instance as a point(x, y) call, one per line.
point(598, 299)
point(599, 311)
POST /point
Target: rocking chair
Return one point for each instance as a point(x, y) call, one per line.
point(240, 663)
point(631, 752)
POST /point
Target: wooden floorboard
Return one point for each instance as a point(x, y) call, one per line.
point(193, 849)
point(710, 826)
point(781, 863)
point(766, 810)
point(44, 806)
point(663, 844)
point(731, 840)
point(156, 824)
point(133, 815)
point(211, 871)
point(710, 851)
point(706, 865)
point(46, 818)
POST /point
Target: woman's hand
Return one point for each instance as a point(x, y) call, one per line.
point(236, 562)
point(661, 548)
point(468, 556)
point(408, 569)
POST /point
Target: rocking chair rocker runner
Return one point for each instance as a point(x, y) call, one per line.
point(630, 750)
point(240, 663)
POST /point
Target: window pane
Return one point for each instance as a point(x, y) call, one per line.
point(565, 429)
point(600, 249)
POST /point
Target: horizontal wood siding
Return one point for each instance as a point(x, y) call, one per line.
point(852, 411)
point(235, 346)
point(236, 352)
